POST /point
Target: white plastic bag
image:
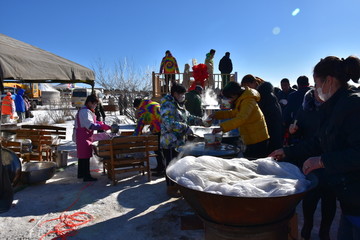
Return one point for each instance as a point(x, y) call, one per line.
point(74, 135)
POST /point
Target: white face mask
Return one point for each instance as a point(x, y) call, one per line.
point(323, 96)
point(181, 98)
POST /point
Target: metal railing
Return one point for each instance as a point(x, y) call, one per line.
point(161, 87)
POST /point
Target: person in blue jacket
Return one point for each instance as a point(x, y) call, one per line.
point(20, 104)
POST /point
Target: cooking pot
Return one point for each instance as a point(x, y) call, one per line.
point(231, 137)
point(200, 131)
point(37, 172)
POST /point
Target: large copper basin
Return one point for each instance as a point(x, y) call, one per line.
point(243, 211)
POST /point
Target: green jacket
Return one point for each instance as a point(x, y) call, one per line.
point(193, 103)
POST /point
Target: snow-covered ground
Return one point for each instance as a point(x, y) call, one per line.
point(132, 209)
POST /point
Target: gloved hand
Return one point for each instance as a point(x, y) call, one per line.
point(105, 127)
point(100, 122)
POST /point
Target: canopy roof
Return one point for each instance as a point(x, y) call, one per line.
point(23, 62)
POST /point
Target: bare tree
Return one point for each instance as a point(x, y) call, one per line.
point(124, 82)
point(122, 75)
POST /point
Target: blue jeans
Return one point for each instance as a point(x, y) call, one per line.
point(347, 230)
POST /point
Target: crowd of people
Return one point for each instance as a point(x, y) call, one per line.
point(314, 128)
point(169, 67)
point(15, 107)
point(329, 146)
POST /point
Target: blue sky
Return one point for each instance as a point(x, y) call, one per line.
point(264, 37)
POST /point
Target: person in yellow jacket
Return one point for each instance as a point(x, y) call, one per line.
point(245, 115)
point(7, 108)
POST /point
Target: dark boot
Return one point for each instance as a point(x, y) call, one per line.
point(160, 164)
point(86, 169)
point(158, 173)
point(154, 169)
point(306, 231)
point(324, 233)
point(80, 173)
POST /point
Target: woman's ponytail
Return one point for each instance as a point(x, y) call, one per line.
point(342, 69)
point(352, 68)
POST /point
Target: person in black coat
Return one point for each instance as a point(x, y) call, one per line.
point(307, 123)
point(225, 67)
point(295, 100)
point(336, 145)
point(282, 97)
point(307, 119)
point(284, 93)
point(270, 107)
point(99, 112)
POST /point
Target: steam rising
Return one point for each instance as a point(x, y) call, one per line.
point(210, 98)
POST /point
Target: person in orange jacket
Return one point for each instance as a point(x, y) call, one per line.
point(6, 107)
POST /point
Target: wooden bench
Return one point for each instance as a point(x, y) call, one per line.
point(127, 154)
point(16, 147)
point(48, 130)
point(42, 150)
point(13, 146)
